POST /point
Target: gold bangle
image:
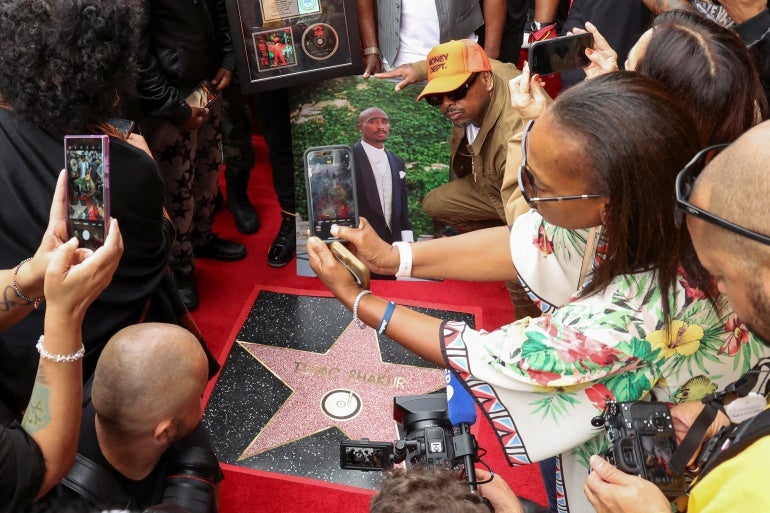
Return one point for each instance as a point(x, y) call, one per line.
point(372, 50)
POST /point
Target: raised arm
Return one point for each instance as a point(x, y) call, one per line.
point(74, 278)
point(481, 255)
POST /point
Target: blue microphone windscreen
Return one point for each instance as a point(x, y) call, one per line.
point(460, 405)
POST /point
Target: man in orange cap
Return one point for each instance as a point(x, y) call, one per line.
point(472, 92)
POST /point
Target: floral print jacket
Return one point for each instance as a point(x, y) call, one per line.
point(540, 381)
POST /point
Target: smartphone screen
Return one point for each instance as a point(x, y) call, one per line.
point(365, 455)
point(86, 159)
point(560, 54)
point(203, 95)
point(331, 191)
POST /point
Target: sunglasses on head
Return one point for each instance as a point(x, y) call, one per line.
point(527, 181)
point(684, 185)
point(458, 94)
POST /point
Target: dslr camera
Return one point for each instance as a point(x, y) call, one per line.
point(190, 484)
point(642, 442)
point(430, 440)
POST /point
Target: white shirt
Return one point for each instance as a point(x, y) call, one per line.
point(378, 160)
point(419, 31)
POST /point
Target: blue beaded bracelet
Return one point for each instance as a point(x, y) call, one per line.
point(386, 318)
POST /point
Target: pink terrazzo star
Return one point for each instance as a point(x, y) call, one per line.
point(348, 387)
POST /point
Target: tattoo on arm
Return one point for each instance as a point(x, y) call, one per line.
point(38, 414)
point(8, 299)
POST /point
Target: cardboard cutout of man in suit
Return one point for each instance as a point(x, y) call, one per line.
point(380, 179)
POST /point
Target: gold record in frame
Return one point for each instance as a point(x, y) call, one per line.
point(320, 41)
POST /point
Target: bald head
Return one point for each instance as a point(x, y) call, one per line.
point(735, 187)
point(148, 373)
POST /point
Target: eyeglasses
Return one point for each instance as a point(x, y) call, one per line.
point(458, 94)
point(684, 185)
point(527, 181)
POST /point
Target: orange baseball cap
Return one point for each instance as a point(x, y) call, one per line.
point(451, 64)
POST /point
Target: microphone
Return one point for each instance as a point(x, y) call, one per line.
point(462, 413)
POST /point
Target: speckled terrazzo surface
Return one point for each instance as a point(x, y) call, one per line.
point(300, 378)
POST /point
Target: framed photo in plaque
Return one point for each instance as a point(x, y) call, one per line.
point(280, 43)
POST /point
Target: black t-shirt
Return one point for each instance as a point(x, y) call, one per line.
point(30, 162)
point(21, 468)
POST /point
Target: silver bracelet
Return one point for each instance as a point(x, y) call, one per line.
point(356, 303)
point(59, 358)
point(34, 301)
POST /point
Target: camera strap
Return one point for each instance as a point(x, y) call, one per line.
point(95, 484)
point(739, 389)
point(731, 440)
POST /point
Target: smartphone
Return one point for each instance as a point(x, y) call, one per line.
point(359, 271)
point(331, 189)
point(87, 161)
point(365, 455)
point(124, 127)
point(560, 54)
point(203, 95)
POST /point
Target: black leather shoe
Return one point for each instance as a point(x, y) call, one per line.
point(220, 249)
point(187, 291)
point(285, 243)
point(244, 214)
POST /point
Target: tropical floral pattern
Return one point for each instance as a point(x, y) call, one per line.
point(541, 380)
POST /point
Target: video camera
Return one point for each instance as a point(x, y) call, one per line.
point(642, 442)
point(430, 441)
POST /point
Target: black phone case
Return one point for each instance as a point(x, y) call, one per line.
point(331, 197)
point(560, 54)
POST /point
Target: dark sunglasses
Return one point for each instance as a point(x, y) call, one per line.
point(684, 185)
point(527, 181)
point(454, 96)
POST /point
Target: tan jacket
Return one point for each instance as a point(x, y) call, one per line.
point(486, 158)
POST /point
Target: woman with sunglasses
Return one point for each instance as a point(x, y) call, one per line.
point(647, 321)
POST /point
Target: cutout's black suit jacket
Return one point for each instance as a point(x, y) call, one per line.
point(369, 199)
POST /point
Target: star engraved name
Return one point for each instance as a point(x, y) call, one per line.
point(352, 375)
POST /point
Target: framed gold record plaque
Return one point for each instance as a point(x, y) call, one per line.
point(281, 43)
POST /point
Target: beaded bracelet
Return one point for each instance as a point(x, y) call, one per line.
point(59, 358)
point(356, 303)
point(386, 318)
point(34, 301)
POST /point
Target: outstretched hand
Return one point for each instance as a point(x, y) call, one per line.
point(613, 491)
point(405, 72)
point(376, 254)
point(528, 95)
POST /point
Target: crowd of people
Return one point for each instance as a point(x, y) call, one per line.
point(625, 217)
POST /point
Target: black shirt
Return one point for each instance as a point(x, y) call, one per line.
point(30, 164)
point(21, 468)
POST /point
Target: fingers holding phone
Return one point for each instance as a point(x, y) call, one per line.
point(603, 59)
point(75, 277)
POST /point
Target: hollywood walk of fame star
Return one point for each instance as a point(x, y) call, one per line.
point(348, 387)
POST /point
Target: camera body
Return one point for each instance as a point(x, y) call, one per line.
point(430, 439)
point(642, 442)
point(191, 482)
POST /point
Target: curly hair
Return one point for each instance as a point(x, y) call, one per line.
point(64, 61)
point(427, 490)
